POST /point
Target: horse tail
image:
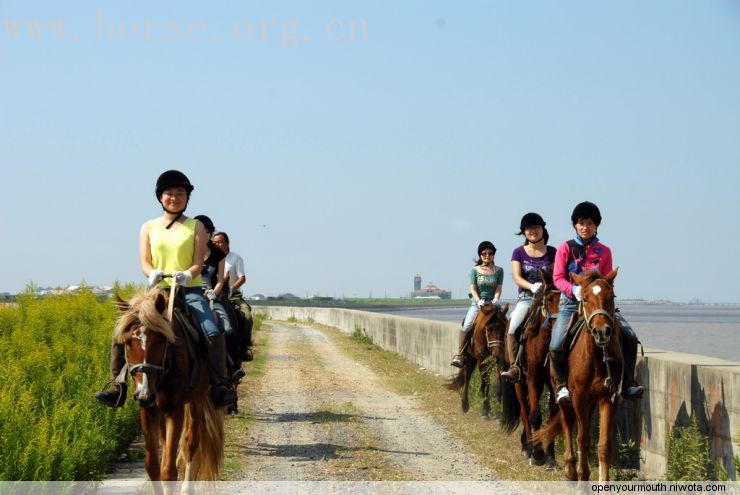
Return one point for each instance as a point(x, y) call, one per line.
point(208, 456)
point(546, 435)
point(457, 382)
point(509, 418)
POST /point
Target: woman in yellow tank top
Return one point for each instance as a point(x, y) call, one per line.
point(176, 244)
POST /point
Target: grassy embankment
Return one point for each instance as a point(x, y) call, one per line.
point(54, 355)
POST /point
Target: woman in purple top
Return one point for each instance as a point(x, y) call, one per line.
point(526, 262)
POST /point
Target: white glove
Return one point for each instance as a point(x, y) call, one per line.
point(182, 278)
point(536, 287)
point(577, 292)
point(211, 294)
point(155, 276)
point(481, 302)
point(495, 301)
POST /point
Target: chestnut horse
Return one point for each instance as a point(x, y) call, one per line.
point(486, 341)
point(521, 400)
point(159, 362)
point(595, 365)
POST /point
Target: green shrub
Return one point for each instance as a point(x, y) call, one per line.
point(54, 354)
point(688, 454)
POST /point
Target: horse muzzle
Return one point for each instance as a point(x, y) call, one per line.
point(602, 336)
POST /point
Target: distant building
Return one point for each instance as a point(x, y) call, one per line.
point(430, 291)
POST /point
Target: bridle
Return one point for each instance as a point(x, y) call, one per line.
point(145, 367)
point(492, 343)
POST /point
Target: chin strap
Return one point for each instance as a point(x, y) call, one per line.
point(174, 220)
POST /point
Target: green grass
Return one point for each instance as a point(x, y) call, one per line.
point(54, 354)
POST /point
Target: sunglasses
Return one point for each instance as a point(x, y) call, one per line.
point(487, 253)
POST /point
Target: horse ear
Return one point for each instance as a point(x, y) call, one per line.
point(579, 279)
point(160, 303)
point(121, 304)
point(612, 275)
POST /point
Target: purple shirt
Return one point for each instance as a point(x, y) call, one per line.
point(531, 266)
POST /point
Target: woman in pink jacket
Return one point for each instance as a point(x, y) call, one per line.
point(585, 252)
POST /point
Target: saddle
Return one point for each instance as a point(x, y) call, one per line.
point(194, 342)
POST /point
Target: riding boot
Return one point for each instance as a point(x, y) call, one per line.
point(630, 388)
point(513, 373)
point(115, 394)
point(459, 360)
point(559, 369)
point(221, 393)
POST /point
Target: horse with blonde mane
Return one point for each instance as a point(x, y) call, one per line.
point(175, 403)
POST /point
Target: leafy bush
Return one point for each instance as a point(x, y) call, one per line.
point(688, 454)
point(54, 354)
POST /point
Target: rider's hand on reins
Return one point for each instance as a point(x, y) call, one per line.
point(155, 276)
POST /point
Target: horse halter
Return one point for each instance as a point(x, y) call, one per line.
point(145, 367)
point(491, 343)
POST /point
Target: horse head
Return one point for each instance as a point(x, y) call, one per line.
point(494, 322)
point(147, 334)
point(597, 304)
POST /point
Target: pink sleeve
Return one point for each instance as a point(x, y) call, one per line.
point(606, 262)
point(560, 270)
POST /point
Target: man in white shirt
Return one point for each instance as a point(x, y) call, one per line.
point(234, 272)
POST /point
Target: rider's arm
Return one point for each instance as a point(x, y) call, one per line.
point(145, 251)
point(516, 274)
point(560, 270)
point(201, 248)
point(474, 292)
point(239, 282)
point(474, 285)
point(220, 278)
point(500, 285)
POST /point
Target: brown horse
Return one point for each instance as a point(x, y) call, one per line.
point(521, 400)
point(486, 341)
point(595, 366)
point(234, 348)
point(159, 362)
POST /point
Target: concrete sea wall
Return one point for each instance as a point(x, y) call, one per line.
point(678, 385)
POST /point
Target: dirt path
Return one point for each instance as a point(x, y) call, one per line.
point(318, 415)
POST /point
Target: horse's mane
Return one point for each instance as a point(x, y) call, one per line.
point(142, 308)
point(592, 276)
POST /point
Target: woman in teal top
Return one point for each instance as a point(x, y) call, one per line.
point(486, 282)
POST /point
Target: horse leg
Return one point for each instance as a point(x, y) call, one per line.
point(484, 391)
point(583, 416)
point(552, 410)
point(606, 419)
point(468, 367)
point(569, 458)
point(150, 426)
point(526, 438)
point(190, 443)
point(172, 431)
point(534, 390)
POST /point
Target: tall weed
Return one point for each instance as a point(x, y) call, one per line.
point(54, 354)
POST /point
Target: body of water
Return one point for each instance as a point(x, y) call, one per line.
point(706, 330)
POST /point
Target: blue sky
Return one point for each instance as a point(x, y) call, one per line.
point(346, 166)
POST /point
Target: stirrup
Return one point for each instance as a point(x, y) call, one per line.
point(633, 391)
point(513, 373)
point(238, 375)
point(563, 395)
point(114, 395)
point(458, 361)
point(223, 396)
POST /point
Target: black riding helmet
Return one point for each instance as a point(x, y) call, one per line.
point(586, 210)
point(207, 223)
point(172, 178)
point(531, 219)
point(486, 245)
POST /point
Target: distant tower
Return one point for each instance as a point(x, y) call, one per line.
point(417, 282)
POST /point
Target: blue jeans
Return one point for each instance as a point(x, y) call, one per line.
point(202, 310)
point(223, 317)
point(470, 317)
point(568, 307)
